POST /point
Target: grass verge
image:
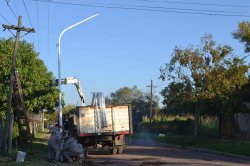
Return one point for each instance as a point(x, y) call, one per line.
point(233, 146)
point(38, 157)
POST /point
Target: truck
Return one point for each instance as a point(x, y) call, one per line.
point(99, 127)
point(95, 136)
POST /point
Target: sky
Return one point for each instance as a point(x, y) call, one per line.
point(127, 43)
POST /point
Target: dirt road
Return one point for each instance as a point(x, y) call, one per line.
point(153, 155)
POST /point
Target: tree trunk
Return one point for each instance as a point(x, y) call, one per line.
point(42, 125)
point(1, 133)
point(5, 133)
point(227, 126)
point(10, 134)
point(196, 120)
point(220, 126)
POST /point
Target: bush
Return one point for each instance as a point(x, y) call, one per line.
point(209, 126)
point(180, 125)
point(169, 124)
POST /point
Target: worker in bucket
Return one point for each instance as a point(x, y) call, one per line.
point(54, 144)
point(72, 150)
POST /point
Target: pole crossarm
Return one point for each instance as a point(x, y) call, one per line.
point(12, 27)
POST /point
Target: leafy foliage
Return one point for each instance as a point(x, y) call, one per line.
point(68, 108)
point(34, 76)
point(173, 94)
point(243, 34)
point(139, 101)
point(125, 95)
point(210, 74)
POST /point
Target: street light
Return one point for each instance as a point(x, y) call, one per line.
point(59, 64)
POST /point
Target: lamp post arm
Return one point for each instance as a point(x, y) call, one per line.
point(59, 64)
point(74, 25)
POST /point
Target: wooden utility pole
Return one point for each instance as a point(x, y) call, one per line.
point(1, 133)
point(151, 101)
point(9, 114)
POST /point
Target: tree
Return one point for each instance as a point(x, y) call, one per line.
point(211, 73)
point(125, 95)
point(138, 100)
point(243, 34)
point(176, 97)
point(35, 78)
point(68, 108)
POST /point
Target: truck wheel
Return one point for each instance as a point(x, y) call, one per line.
point(114, 150)
point(120, 149)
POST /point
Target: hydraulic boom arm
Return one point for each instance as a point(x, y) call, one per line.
point(76, 82)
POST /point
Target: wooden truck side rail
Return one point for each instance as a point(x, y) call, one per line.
point(112, 137)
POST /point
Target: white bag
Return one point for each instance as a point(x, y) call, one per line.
point(20, 156)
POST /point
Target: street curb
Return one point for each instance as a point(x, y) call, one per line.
point(201, 150)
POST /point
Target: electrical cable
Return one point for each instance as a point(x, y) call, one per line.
point(195, 3)
point(161, 84)
point(48, 29)
point(27, 13)
point(15, 7)
point(7, 2)
point(12, 33)
point(189, 9)
point(166, 10)
point(33, 36)
point(169, 8)
point(37, 24)
point(5, 19)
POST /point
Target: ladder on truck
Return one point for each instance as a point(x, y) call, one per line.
point(25, 138)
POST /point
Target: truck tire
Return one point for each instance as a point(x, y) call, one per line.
point(119, 149)
point(114, 150)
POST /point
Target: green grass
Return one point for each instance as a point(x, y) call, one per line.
point(233, 146)
point(38, 157)
point(211, 143)
point(240, 148)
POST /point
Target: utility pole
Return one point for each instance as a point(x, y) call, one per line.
point(151, 101)
point(18, 30)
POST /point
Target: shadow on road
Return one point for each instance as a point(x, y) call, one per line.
point(177, 153)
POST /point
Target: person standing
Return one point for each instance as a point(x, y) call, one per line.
point(54, 144)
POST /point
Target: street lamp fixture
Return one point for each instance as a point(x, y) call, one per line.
point(59, 64)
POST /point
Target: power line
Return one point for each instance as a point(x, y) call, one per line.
point(4, 19)
point(27, 13)
point(196, 3)
point(28, 18)
point(48, 29)
point(161, 84)
point(151, 9)
point(15, 6)
point(7, 2)
point(168, 8)
point(37, 24)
